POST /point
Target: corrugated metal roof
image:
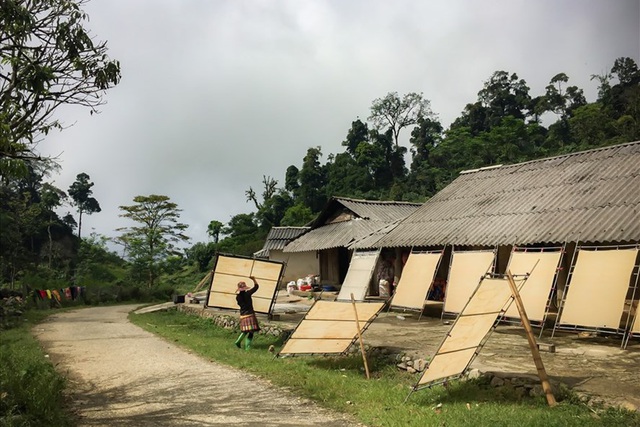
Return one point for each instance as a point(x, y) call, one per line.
point(385, 211)
point(278, 238)
point(370, 240)
point(371, 215)
point(338, 234)
point(591, 196)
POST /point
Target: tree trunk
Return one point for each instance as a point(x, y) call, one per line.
point(80, 224)
point(50, 241)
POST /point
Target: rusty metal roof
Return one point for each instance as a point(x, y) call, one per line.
point(591, 196)
point(365, 217)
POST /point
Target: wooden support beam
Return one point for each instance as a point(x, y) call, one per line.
point(542, 374)
point(362, 350)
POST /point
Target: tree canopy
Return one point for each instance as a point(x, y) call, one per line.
point(80, 192)
point(396, 113)
point(48, 59)
point(155, 234)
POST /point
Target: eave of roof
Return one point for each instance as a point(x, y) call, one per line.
point(335, 235)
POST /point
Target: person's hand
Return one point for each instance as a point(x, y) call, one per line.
point(253, 278)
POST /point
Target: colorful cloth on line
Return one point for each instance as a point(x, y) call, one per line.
point(72, 293)
point(249, 323)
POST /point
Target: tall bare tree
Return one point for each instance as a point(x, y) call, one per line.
point(395, 113)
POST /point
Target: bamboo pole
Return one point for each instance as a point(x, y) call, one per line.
point(204, 280)
point(364, 353)
point(542, 374)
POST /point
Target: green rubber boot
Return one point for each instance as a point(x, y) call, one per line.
point(247, 343)
point(239, 340)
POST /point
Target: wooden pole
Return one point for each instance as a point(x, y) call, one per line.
point(204, 280)
point(364, 353)
point(542, 374)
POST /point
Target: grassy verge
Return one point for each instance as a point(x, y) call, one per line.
point(339, 383)
point(30, 388)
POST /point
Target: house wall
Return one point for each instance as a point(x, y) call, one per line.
point(330, 267)
point(334, 264)
point(299, 264)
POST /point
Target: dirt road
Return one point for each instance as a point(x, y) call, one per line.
point(122, 375)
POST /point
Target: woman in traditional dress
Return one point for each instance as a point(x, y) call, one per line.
point(248, 320)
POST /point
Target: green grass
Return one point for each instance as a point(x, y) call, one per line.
point(339, 383)
point(31, 391)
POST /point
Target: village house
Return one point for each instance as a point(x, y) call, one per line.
point(342, 222)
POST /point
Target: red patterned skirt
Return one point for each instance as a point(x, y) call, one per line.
point(249, 323)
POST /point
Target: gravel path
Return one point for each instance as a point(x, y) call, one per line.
point(122, 375)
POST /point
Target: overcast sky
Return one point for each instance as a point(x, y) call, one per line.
point(215, 94)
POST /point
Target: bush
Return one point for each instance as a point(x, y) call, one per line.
point(44, 278)
point(12, 307)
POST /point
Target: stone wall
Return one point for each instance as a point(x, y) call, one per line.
point(231, 321)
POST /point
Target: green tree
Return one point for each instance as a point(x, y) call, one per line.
point(201, 254)
point(590, 127)
point(345, 177)
point(274, 209)
point(80, 192)
point(297, 216)
point(275, 202)
point(312, 178)
point(384, 159)
point(624, 100)
point(563, 101)
point(241, 226)
point(155, 235)
point(604, 86)
point(358, 133)
point(30, 229)
point(291, 181)
point(270, 188)
point(504, 95)
point(242, 235)
point(474, 117)
point(424, 138)
point(347, 173)
point(423, 175)
point(98, 265)
point(395, 113)
point(51, 197)
point(626, 71)
point(508, 142)
point(15, 219)
point(47, 59)
point(213, 230)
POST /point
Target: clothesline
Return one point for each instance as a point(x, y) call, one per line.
point(70, 293)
